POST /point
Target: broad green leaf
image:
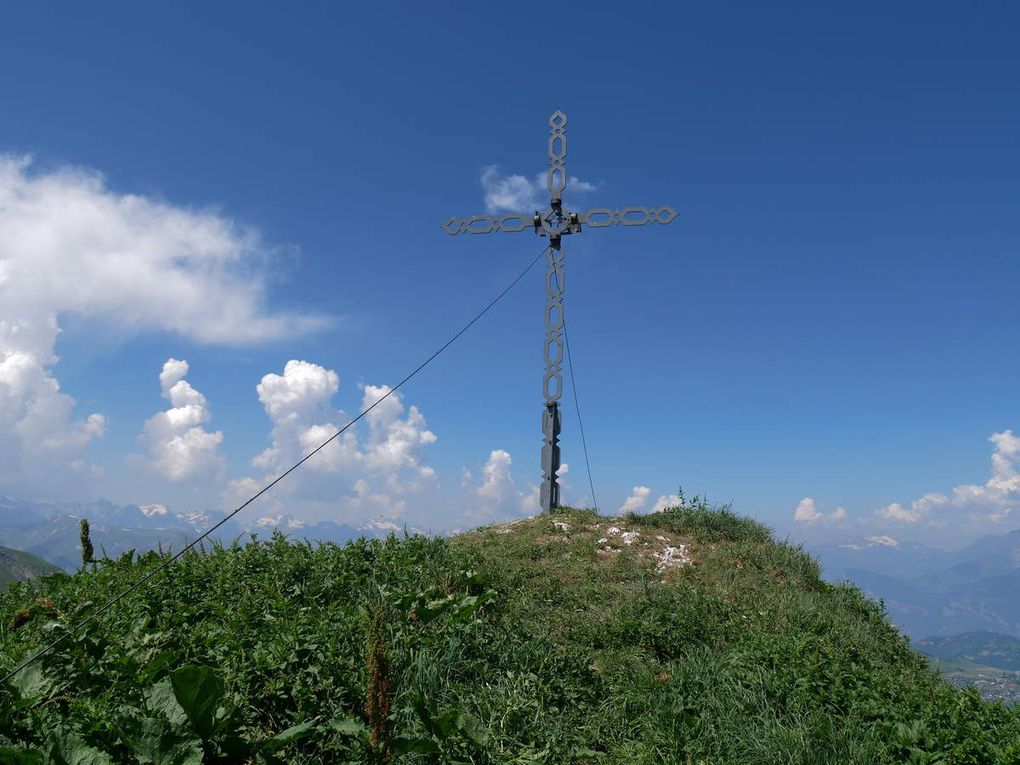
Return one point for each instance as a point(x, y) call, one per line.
point(415, 746)
point(155, 666)
point(68, 748)
point(160, 698)
point(199, 692)
point(31, 682)
point(473, 730)
point(447, 723)
point(154, 741)
point(289, 736)
point(348, 727)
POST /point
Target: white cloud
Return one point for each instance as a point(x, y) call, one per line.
point(516, 193)
point(367, 502)
point(1000, 494)
point(806, 512)
point(370, 468)
point(68, 244)
point(39, 434)
point(179, 448)
point(298, 404)
point(498, 497)
point(497, 484)
point(664, 501)
point(637, 500)
point(897, 513)
point(394, 442)
point(882, 540)
point(991, 502)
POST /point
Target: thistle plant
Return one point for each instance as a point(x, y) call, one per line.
point(377, 693)
point(87, 552)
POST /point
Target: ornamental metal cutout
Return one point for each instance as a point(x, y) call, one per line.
point(555, 223)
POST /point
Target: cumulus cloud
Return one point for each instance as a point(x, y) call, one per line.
point(369, 467)
point(637, 500)
point(516, 193)
point(298, 404)
point(807, 512)
point(999, 496)
point(666, 500)
point(394, 442)
point(990, 502)
point(69, 244)
point(39, 434)
point(497, 483)
point(498, 496)
point(179, 448)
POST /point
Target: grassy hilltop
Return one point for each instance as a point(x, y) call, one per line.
point(687, 636)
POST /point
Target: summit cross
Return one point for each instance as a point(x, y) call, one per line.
point(555, 223)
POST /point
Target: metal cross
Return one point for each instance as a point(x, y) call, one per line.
point(554, 223)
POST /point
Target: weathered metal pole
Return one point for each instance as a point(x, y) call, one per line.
point(552, 382)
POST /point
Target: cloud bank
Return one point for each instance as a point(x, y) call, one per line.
point(71, 245)
point(968, 507)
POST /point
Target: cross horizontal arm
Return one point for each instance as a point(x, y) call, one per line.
point(626, 216)
point(486, 224)
point(597, 218)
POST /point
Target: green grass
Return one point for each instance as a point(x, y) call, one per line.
point(527, 643)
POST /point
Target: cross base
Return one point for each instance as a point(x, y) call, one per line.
point(549, 494)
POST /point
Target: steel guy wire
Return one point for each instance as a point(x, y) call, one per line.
point(577, 407)
point(163, 566)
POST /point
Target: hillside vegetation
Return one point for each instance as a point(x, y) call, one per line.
point(686, 636)
point(16, 565)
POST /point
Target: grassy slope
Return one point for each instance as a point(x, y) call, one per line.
point(528, 643)
point(16, 565)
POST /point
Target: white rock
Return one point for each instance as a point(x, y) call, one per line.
point(672, 557)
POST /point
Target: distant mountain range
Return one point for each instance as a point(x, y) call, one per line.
point(932, 592)
point(17, 565)
point(50, 530)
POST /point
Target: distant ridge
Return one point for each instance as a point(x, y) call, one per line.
point(50, 531)
point(933, 592)
point(17, 566)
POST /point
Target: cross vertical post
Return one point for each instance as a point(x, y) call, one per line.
point(554, 224)
point(552, 382)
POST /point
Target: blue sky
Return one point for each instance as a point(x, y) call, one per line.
point(831, 316)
